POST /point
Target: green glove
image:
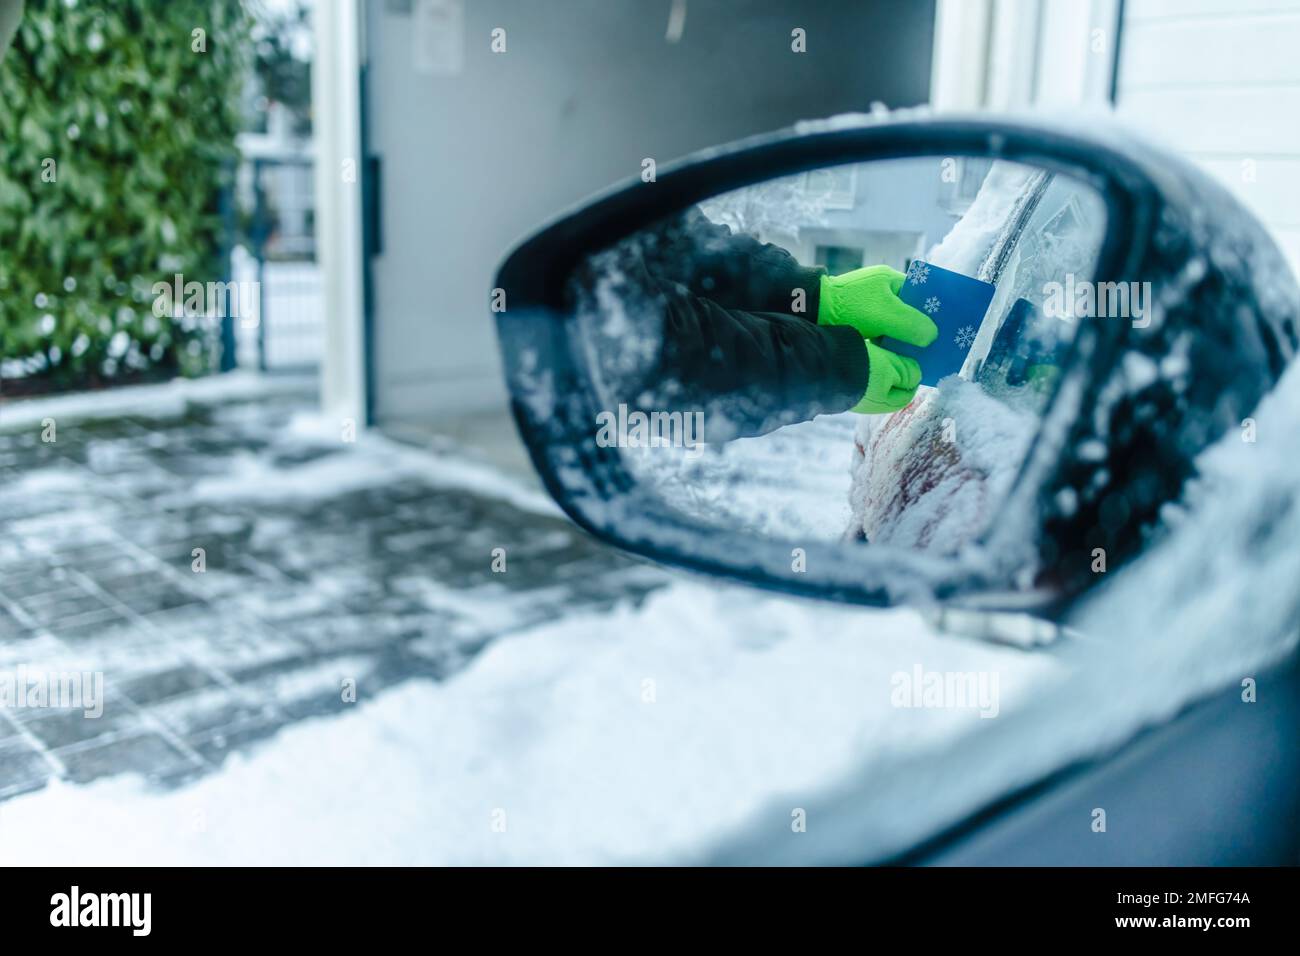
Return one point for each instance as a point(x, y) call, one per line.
point(891, 381)
point(867, 300)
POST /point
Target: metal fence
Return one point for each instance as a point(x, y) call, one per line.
point(275, 248)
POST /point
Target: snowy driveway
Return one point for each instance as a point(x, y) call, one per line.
point(227, 569)
point(592, 710)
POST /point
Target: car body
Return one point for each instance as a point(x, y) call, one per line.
point(1118, 507)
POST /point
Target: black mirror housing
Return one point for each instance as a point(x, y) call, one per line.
point(1133, 408)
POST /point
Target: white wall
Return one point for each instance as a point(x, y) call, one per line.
point(1219, 81)
point(477, 153)
point(1215, 80)
point(1022, 54)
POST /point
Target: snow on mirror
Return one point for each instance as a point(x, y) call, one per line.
point(861, 352)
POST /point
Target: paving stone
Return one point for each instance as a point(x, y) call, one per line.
point(65, 727)
point(156, 686)
point(148, 754)
point(22, 769)
point(216, 744)
point(379, 581)
point(211, 709)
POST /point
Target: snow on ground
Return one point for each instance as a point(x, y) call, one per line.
point(168, 399)
point(254, 478)
point(638, 736)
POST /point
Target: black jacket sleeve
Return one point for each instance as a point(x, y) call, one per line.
point(710, 312)
point(734, 270)
point(752, 372)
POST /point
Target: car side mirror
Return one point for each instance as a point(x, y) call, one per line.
point(891, 361)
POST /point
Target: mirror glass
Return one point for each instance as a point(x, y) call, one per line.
point(858, 353)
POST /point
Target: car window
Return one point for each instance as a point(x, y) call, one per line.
point(1017, 355)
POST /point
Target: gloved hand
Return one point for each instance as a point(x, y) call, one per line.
point(891, 381)
point(867, 300)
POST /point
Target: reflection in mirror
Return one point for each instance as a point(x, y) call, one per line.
point(861, 352)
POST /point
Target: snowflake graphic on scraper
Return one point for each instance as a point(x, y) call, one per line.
point(932, 305)
point(965, 336)
point(917, 273)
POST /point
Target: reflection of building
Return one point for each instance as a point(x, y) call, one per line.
point(883, 212)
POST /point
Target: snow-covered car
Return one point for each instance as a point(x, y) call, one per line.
point(1084, 469)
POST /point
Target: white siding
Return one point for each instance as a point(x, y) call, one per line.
point(1184, 9)
point(1219, 81)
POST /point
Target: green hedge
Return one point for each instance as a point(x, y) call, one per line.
point(117, 137)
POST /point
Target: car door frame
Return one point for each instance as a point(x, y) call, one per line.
point(1172, 794)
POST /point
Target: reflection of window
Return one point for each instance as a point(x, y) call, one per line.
point(963, 185)
point(1067, 221)
point(838, 259)
point(835, 187)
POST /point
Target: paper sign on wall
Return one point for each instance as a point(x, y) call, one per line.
point(438, 37)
